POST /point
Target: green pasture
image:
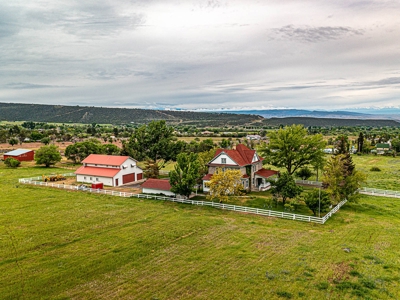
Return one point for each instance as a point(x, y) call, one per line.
point(389, 176)
point(57, 244)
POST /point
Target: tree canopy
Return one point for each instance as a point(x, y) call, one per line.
point(340, 179)
point(150, 141)
point(292, 148)
point(317, 200)
point(224, 184)
point(47, 155)
point(185, 173)
point(285, 187)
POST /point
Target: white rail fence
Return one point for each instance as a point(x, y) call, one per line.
point(363, 190)
point(378, 192)
point(308, 182)
point(243, 209)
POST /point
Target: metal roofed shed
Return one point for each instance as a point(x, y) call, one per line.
point(20, 154)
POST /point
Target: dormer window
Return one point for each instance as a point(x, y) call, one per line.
point(223, 160)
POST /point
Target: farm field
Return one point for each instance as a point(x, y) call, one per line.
point(389, 176)
point(57, 244)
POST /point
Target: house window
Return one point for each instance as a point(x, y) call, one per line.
point(84, 178)
point(223, 160)
point(97, 179)
point(91, 178)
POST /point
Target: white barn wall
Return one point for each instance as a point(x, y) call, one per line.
point(131, 167)
point(154, 191)
point(95, 179)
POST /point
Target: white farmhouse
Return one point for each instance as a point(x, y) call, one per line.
point(111, 170)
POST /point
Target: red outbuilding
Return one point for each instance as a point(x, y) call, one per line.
point(21, 154)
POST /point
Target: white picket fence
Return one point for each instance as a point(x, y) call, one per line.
point(363, 190)
point(308, 182)
point(378, 192)
point(238, 208)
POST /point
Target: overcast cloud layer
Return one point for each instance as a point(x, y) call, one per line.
point(201, 54)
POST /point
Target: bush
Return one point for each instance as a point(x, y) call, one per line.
point(12, 162)
point(375, 169)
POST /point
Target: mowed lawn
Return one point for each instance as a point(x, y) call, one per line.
point(56, 244)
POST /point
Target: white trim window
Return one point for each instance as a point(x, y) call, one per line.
point(223, 160)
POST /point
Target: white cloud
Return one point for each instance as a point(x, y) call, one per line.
point(201, 54)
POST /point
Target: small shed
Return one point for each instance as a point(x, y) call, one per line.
point(20, 154)
point(157, 186)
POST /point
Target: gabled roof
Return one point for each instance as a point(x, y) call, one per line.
point(157, 184)
point(96, 171)
point(110, 160)
point(242, 155)
point(382, 145)
point(266, 173)
point(17, 152)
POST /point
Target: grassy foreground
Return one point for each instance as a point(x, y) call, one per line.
point(56, 244)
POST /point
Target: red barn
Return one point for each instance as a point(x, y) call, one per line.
point(21, 155)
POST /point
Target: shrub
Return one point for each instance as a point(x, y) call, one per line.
point(12, 162)
point(284, 294)
point(375, 169)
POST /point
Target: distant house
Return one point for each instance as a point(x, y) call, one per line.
point(244, 159)
point(157, 186)
point(253, 137)
point(207, 132)
point(111, 170)
point(20, 154)
point(382, 148)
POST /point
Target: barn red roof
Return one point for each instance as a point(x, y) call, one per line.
point(96, 171)
point(242, 155)
point(157, 184)
point(110, 160)
point(266, 173)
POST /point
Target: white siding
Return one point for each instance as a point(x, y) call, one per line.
point(130, 167)
point(154, 191)
point(105, 180)
point(218, 160)
point(255, 158)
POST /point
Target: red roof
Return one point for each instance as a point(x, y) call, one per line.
point(110, 160)
point(207, 177)
point(96, 171)
point(266, 173)
point(157, 184)
point(242, 155)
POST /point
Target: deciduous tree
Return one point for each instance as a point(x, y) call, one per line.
point(224, 184)
point(285, 187)
point(47, 155)
point(150, 141)
point(340, 179)
point(13, 141)
point(317, 200)
point(292, 148)
point(184, 175)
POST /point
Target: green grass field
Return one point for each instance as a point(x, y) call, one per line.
point(389, 176)
point(56, 244)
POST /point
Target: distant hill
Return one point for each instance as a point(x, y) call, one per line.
point(328, 122)
point(285, 113)
point(107, 115)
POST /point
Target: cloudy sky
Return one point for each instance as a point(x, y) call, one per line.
point(205, 54)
